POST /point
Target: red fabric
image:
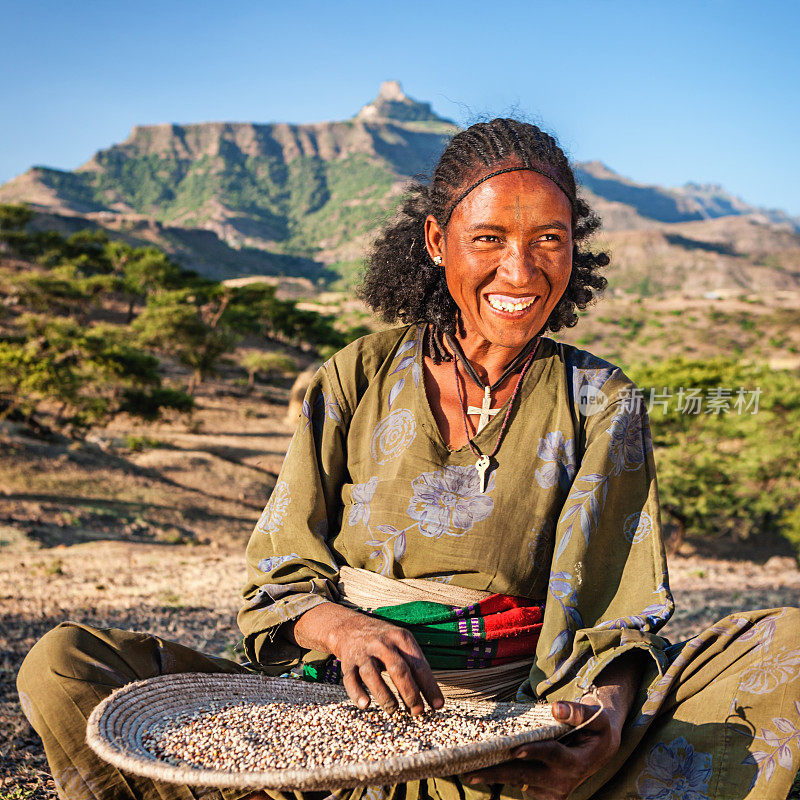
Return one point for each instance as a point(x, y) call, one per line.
point(506, 616)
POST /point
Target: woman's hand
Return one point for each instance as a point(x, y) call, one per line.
point(552, 770)
point(367, 646)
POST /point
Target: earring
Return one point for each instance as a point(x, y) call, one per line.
point(437, 260)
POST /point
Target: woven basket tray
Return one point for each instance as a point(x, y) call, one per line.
point(117, 730)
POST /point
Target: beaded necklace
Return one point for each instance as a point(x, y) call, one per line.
point(484, 460)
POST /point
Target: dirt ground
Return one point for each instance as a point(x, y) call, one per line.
point(152, 538)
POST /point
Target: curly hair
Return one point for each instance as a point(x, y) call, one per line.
point(401, 281)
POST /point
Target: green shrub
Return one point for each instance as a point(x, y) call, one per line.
point(137, 444)
point(727, 473)
point(266, 364)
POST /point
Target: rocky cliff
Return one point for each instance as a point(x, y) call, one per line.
point(306, 198)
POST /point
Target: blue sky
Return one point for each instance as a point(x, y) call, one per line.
point(664, 92)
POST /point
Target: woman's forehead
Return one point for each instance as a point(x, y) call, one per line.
point(522, 194)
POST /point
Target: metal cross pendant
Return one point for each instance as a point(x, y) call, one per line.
point(484, 410)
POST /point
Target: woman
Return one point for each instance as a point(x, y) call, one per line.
point(467, 449)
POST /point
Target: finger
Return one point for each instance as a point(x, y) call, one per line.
point(508, 772)
point(425, 680)
point(578, 714)
point(403, 679)
point(371, 676)
point(354, 687)
point(548, 753)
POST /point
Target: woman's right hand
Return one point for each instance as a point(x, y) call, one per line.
point(367, 646)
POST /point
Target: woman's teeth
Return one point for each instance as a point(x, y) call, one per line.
point(505, 305)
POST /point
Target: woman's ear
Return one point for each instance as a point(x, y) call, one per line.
point(434, 238)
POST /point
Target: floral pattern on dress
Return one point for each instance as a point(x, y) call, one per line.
point(563, 591)
point(771, 673)
point(588, 369)
point(449, 501)
point(324, 405)
point(780, 746)
point(392, 435)
point(637, 527)
point(390, 546)
point(764, 631)
point(272, 563)
point(630, 440)
point(274, 512)
point(585, 511)
point(675, 771)
point(560, 466)
point(361, 495)
point(445, 502)
point(408, 363)
point(652, 617)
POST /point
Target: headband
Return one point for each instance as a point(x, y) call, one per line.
point(500, 172)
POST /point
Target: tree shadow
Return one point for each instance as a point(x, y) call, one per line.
point(694, 244)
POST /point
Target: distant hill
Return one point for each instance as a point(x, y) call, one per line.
point(239, 198)
point(648, 204)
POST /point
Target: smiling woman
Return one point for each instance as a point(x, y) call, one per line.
point(403, 281)
point(518, 554)
point(507, 256)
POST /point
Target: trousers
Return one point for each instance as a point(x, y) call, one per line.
point(722, 723)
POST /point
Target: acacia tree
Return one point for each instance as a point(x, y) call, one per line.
point(189, 324)
point(87, 374)
point(146, 271)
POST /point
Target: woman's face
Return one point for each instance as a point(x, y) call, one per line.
point(507, 255)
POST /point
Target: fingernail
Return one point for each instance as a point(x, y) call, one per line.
point(363, 702)
point(472, 781)
point(562, 710)
point(438, 703)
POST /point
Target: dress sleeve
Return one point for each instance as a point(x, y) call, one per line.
point(608, 591)
point(290, 567)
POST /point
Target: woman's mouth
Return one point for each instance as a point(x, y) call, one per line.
point(511, 306)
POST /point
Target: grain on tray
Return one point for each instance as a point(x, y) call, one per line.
point(245, 736)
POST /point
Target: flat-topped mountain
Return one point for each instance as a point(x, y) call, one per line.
point(305, 199)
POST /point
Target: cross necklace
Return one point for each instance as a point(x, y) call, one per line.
point(484, 460)
point(485, 410)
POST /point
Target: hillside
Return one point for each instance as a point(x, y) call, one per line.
point(169, 499)
point(241, 198)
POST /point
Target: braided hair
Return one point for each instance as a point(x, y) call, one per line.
point(402, 283)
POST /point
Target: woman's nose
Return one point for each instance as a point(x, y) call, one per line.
point(518, 264)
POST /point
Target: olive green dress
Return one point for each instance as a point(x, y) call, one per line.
point(569, 515)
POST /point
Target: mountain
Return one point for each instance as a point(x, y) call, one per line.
point(392, 103)
point(239, 198)
point(690, 202)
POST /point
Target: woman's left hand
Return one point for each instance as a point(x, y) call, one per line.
point(551, 770)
